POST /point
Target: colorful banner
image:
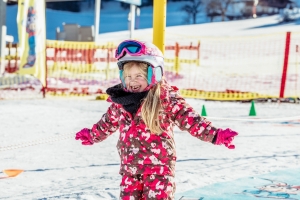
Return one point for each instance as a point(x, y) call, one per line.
point(32, 38)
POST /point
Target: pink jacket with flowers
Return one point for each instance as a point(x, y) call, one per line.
point(142, 152)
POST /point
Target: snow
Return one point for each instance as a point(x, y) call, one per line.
point(37, 135)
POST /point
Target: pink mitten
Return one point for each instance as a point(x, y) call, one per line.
point(85, 136)
point(225, 137)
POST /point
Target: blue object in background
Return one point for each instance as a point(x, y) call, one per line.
point(284, 184)
point(112, 18)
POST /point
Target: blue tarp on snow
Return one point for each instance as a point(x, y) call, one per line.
point(284, 184)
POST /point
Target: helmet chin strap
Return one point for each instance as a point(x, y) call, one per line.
point(148, 87)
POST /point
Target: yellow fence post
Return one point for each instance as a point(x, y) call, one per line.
point(159, 23)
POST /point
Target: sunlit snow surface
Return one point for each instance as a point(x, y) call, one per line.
point(38, 136)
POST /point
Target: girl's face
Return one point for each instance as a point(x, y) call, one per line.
point(135, 79)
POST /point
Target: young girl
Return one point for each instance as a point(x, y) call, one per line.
point(145, 109)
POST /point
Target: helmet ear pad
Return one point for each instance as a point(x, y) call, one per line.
point(150, 73)
point(154, 75)
point(122, 78)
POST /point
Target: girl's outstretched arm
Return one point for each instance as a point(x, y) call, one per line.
point(106, 126)
point(187, 119)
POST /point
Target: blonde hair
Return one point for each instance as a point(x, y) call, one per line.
point(142, 66)
point(151, 109)
point(152, 104)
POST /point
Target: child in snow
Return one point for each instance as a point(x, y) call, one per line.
point(145, 109)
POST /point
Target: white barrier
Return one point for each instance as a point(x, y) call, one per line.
point(3, 44)
point(5, 38)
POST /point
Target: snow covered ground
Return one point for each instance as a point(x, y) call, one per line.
point(38, 137)
point(249, 27)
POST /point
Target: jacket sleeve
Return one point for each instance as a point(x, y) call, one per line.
point(187, 119)
point(107, 125)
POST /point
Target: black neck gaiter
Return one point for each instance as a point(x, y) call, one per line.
point(130, 101)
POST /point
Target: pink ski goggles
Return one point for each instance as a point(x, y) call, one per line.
point(132, 47)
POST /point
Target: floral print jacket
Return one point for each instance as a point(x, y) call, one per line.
point(142, 152)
